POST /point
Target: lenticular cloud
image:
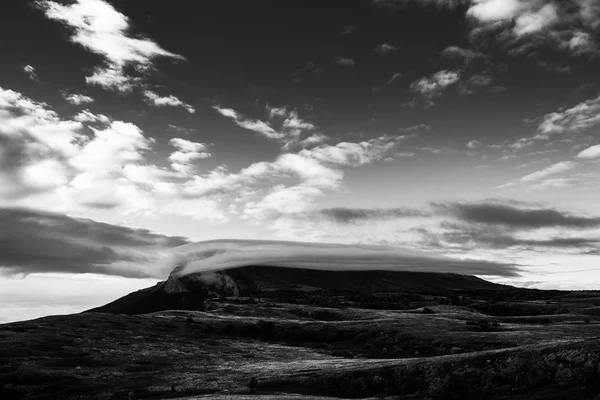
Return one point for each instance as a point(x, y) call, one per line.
point(224, 254)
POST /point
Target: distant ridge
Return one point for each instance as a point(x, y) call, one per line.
point(188, 292)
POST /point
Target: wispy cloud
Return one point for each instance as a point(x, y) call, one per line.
point(253, 125)
point(98, 27)
point(548, 171)
point(30, 71)
point(395, 78)
point(385, 48)
point(345, 61)
point(154, 99)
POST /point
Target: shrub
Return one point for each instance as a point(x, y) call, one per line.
point(563, 376)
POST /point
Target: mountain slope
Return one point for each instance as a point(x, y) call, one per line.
point(189, 292)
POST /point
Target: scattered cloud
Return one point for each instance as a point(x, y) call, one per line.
point(171, 101)
point(98, 27)
point(385, 48)
point(434, 85)
point(30, 71)
point(77, 99)
point(89, 117)
point(474, 144)
point(187, 152)
point(345, 61)
point(36, 241)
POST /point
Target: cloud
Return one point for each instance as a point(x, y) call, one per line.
point(434, 85)
point(98, 27)
point(459, 53)
point(345, 61)
point(590, 152)
point(577, 118)
point(290, 130)
point(499, 224)
point(548, 171)
point(555, 183)
point(30, 71)
point(532, 27)
point(497, 213)
point(475, 83)
point(471, 237)
point(535, 20)
point(88, 116)
point(352, 154)
point(171, 101)
point(223, 254)
point(385, 48)
point(187, 152)
point(44, 155)
point(35, 241)
point(253, 125)
point(415, 128)
point(77, 99)
point(344, 215)
point(474, 144)
point(349, 30)
point(395, 78)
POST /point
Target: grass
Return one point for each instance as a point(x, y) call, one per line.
point(433, 350)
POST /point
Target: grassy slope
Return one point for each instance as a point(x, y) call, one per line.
point(296, 349)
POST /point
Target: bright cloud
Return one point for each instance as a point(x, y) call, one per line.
point(590, 152)
point(98, 27)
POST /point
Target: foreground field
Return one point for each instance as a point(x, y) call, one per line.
point(271, 349)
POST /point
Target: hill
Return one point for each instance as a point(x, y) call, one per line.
point(189, 292)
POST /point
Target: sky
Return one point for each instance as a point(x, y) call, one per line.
point(466, 129)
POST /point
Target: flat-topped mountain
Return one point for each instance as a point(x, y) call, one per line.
point(188, 292)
